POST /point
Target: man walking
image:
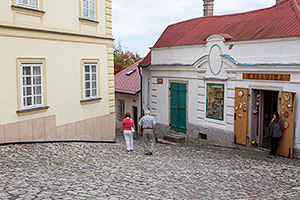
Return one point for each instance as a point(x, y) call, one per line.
point(148, 124)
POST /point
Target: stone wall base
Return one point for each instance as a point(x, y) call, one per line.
point(44, 129)
point(213, 135)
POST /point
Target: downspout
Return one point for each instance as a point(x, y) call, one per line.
point(141, 90)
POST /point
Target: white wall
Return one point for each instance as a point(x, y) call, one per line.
point(258, 51)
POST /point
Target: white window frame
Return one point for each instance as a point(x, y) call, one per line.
point(90, 81)
point(32, 86)
point(89, 9)
point(29, 4)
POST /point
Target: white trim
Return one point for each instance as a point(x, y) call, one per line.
point(90, 81)
point(31, 86)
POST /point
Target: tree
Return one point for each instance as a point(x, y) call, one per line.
point(123, 59)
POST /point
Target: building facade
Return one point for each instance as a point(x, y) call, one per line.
point(56, 80)
point(221, 78)
point(128, 95)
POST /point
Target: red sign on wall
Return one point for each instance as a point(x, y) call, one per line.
point(160, 81)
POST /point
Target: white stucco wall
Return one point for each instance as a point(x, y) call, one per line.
point(258, 51)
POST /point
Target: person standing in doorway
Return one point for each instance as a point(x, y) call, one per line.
point(147, 127)
point(277, 129)
point(128, 129)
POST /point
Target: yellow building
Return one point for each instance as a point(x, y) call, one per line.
point(57, 77)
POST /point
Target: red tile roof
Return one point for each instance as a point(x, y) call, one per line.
point(146, 61)
point(280, 20)
point(128, 84)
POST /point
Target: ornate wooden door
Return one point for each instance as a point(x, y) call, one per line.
point(287, 115)
point(240, 116)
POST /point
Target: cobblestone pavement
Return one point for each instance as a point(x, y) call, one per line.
point(107, 171)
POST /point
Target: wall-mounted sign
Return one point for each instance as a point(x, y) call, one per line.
point(267, 77)
point(160, 80)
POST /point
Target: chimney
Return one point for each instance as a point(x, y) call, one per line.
point(277, 1)
point(209, 7)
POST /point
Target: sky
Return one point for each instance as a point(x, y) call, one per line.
point(137, 24)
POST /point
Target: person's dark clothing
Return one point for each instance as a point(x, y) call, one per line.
point(274, 145)
point(277, 128)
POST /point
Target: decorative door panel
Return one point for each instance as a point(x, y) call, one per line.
point(287, 115)
point(240, 116)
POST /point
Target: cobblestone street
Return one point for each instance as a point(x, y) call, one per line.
point(107, 171)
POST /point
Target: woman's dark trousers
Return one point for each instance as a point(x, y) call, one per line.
point(274, 145)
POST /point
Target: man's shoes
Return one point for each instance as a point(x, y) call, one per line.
point(131, 150)
point(148, 153)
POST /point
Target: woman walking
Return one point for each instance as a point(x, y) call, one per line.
point(128, 129)
point(277, 129)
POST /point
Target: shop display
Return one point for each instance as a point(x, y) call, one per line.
point(215, 101)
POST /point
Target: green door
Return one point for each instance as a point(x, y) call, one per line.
point(178, 107)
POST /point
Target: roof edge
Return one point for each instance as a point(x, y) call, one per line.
point(297, 8)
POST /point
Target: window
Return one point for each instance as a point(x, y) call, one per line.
point(31, 85)
point(29, 3)
point(121, 109)
point(215, 101)
point(88, 9)
point(90, 80)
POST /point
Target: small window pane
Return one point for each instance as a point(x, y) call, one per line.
point(87, 77)
point(29, 101)
point(93, 68)
point(37, 80)
point(87, 68)
point(94, 92)
point(28, 91)
point(94, 84)
point(28, 81)
point(85, 13)
point(38, 100)
point(34, 3)
point(87, 85)
point(87, 93)
point(92, 14)
point(36, 70)
point(26, 71)
point(37, 90)
point(94, 77)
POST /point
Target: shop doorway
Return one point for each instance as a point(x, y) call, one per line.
point(264, 104)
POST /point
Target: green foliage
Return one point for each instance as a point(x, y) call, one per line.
point(123, 58)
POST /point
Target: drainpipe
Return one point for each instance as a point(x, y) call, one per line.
point(141, 90)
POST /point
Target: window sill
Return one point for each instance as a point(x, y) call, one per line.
point(90, 21)
point(27, 9)
point(30, 110)
point(94, 100)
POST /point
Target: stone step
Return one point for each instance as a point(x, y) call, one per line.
point(174, 137)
